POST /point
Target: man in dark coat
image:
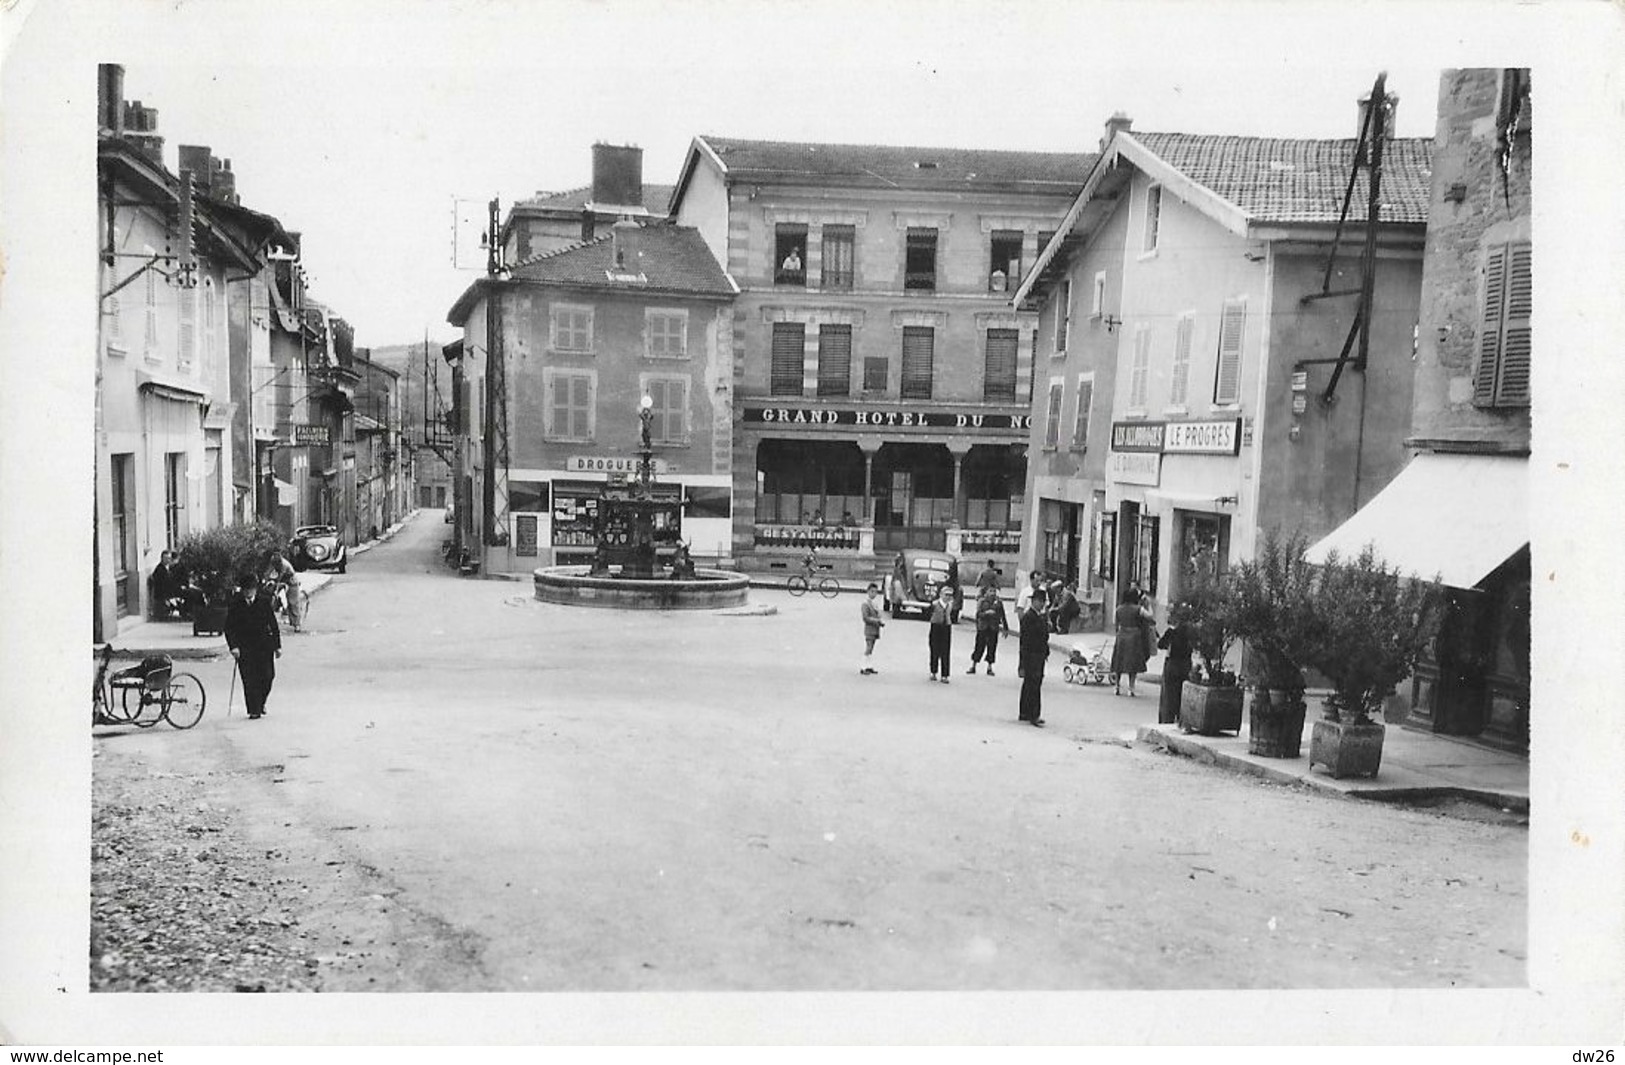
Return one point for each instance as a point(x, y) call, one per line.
point(255, 640)
point(1034, 652)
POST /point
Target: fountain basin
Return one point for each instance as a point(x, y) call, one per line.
point(572, 586)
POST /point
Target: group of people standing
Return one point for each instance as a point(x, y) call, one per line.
point(991, 623)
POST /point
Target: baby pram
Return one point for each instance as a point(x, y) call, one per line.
point(1089, 667)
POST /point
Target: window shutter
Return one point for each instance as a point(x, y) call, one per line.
point(152, 308)
point(1142, 364)
point(1489, 333)
point(1063, 316)
point(188, 331)
point(1227, 378)
point(789, 356)
point(1515, 349)
point(1182, 362)
point(1080, 428)
point(1052, 420)
point(918, 345)
point(553, 424)
point(999, 381)
point(580, 405)
point(834, 360)
point(1504, 342)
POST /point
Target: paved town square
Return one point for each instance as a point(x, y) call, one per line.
point(459, 788)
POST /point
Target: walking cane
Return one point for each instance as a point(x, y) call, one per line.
point(231, 694)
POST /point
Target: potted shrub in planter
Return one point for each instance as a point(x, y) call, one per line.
point(1369, 632)
point(215, 559)
point(1272, 610)
point(1210, 702)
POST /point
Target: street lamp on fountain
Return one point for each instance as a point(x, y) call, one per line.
point(646, 415)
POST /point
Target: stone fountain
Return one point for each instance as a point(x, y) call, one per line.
point(627, 573)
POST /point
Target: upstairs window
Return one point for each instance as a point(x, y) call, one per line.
point(834, 360)
point(1178, 380)
point(186, 349)
point(668, 423)
point(1227, 375)
point(572, 328)
point(1086, 399)
point(1504, 342)
point(1063, 316)
point(1097, 300)
point(790, 254)
point(840, 246)
point(1153, 218)
point(789, 359)
point(666, 334)
point(1142, 367)
point(999, 376)
point(569, 405)
point(876, 373)
point(1052, 416)
point(1004, 266)
point(919, 344)
point(920, 261)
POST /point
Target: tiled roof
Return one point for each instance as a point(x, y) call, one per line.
point(655, 198)
point(888, 165)
point(1287, 180)
point(669, 258)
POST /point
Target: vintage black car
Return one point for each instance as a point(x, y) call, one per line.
point(927, 571)
point(317, 547)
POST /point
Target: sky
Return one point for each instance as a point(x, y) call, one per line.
point(362, 126)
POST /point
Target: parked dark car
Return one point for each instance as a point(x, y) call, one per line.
point(317, 547)
point(927, 571)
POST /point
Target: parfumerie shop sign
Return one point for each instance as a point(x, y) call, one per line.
point(824, 418)
point(1215, 437)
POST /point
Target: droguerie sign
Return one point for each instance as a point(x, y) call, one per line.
point(884, 419)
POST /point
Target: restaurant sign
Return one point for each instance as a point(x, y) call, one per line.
point(822, 417)
point(837, 537)
point(612, 464)
point(310, 434)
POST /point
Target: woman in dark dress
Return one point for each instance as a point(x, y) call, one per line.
point(1130, 652)
point(1176, 667)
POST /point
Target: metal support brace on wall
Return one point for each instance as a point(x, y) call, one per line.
point(1367, 153)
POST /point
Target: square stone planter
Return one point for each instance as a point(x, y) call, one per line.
point(1347, 750)
point(1275, 723)
point(1210, 711)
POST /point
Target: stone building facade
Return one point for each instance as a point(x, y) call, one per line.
point(1460, 509)
point(880, 378)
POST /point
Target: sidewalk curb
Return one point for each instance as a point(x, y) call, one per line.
point(1170, 738)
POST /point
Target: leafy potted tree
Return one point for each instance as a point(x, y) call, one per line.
point(215, 559)
point(1211, 700)
point(1369, 631)
point(1272, 611)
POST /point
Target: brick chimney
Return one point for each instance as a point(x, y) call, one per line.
point(214, 177)
point(1118, 121)
point(617, 174)
point(141, 130)
point(110, 98)
point(1389, 116)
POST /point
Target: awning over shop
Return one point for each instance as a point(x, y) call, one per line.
point(1457, 516)
point(180, 394)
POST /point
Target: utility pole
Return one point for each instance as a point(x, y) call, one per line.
point(496, 391)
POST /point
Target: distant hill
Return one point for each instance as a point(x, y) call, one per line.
point(408, 361)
